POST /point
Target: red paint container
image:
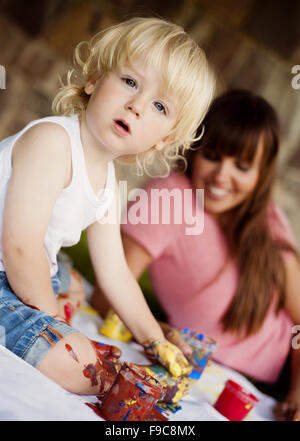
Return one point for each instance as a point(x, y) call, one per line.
point(132, 396)
point(235, 402)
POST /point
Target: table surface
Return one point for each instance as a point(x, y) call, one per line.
point(26, 394)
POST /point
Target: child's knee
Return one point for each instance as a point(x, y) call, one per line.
point(75, 364)
point(66, 361)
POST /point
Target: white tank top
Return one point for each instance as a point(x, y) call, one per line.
point(77, 207)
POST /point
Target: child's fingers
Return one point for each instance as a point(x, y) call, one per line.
point(173, 335)
point(169, 356)
point(107, 350)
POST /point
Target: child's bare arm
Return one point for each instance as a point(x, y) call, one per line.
point(40, 160)
point(125, 296)
point(117, 281)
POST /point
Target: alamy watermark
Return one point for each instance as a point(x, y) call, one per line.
point(296, 79)
point(2, 77)
point(296, 339)
point(156, 206)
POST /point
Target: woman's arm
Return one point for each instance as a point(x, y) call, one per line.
point(290, 408)
point(40, 164)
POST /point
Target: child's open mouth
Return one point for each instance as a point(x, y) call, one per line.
point(121, 126)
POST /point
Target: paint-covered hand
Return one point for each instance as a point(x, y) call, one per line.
point(169, 356)
point(173, 335)
point(108, 351)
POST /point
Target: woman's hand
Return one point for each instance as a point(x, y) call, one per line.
point(288, 410)
point(169, 356)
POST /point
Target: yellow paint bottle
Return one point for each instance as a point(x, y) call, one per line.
point(114, 328)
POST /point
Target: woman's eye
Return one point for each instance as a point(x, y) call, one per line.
point(130, 82)
point(243, 167)
point(160, 107)
point(211, 156)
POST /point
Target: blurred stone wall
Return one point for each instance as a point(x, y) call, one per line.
point(251, 43)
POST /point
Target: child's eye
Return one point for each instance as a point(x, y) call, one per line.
point(160, 107)
point(130, 82)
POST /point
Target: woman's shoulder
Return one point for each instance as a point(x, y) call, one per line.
point(279, 224)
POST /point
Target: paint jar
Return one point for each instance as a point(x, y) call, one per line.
point(132, 396)
point(203, 347)
point(175, 388)
point(114, 328)
point(235, 402)
point(156, 415)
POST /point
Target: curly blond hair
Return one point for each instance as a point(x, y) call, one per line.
point(185, 73)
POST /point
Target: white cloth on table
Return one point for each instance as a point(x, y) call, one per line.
point(26, 394)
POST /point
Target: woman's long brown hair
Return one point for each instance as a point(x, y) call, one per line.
point(234, 126)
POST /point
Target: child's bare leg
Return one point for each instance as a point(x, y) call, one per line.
point(70, 302)
point(77, 366)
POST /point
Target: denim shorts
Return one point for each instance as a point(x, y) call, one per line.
point(27, 332)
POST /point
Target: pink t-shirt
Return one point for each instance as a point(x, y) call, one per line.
point(184, 264)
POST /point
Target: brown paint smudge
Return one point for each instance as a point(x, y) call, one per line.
point(64, 296)
point(96, 408)
point(106, 368)
point(32, 306)
point(91, 370)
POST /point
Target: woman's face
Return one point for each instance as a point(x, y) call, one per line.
point(227, 182)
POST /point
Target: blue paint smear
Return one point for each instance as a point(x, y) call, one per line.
point(141, 387)
point(126, 416)
point(195, 375)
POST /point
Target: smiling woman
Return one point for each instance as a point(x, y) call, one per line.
point(227, 180)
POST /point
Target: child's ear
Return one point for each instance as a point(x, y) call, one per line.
point(161, 144)
point(90, 86)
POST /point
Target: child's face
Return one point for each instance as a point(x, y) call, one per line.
point(226, 181)
point(128, 112)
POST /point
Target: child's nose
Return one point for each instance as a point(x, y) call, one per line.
point(136, 106)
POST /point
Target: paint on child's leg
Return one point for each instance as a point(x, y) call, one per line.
point(105, 370)
point(32, 306)
point(91, 370)
point(107, 374)
point(63, 296)
point(69, 310)
point(71, 352)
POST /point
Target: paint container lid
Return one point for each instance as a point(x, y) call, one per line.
point(241, 392)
